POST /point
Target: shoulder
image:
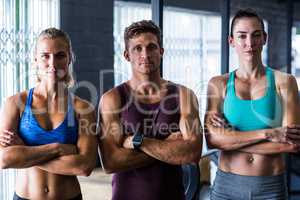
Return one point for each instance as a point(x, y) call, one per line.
point(219, 81)
point(182, 90)
point(284, 80)
point(14, 105)
point(110, 101)
point(216, 86)
point(282, 77)
point(111, 98)
point(80, 103)
point(17, 100)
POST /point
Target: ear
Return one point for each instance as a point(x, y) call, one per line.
point(161, 50)
point(126, 55)
point(231, 41)
point(265, 38)
point(35, 60)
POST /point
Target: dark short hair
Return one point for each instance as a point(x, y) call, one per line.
point(137, 28)
point(246, 13)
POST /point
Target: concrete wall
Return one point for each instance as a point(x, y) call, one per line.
point(90, 26)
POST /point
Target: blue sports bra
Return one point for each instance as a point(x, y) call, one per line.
point(246, 115)
point(33, 134)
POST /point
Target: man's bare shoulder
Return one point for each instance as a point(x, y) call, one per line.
point(110, 101)
point(83, 106)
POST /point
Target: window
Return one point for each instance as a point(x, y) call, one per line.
point(124, 15)
point(20, 22)
point(296, 54)
point(192, 45)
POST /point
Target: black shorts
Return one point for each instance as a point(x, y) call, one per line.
point(16, 197)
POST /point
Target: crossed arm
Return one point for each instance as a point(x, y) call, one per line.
point(56, 158)
point(117, 153)
point(264, 141)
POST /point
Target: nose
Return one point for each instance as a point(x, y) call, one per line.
point(145, 53)
point(250, 41)
point(52, 62)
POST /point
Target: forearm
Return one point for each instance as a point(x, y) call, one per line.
point(124, 159)
point(267, 148)
point(173, 151)
point(229, 139)
point(20, 156)
point(73, 165)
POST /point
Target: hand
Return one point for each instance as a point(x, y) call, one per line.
point(8, 138)
point(67, 149)
point(174, 136)
point(218, 121)
point(127, 144)
point(288, 134)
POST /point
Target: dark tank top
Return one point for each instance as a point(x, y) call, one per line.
point(158, 180)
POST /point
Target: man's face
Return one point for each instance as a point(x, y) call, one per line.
point(144, 53)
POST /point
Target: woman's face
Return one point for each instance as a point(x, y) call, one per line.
point(248, 38)
point(52, 59)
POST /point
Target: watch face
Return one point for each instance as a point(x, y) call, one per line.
point(137, 140)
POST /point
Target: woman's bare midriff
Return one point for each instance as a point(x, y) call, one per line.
point(248, 164)
point(35, 183)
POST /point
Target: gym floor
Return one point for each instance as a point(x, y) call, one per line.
point(98, 186)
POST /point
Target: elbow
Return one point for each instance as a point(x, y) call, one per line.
point(4, 160)
point(213, 143)
point(87, 169)
point(194, 156)
point(85, 172)
point(108, 167)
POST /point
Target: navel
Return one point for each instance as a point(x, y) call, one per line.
point(250, 159)
point(46, 189)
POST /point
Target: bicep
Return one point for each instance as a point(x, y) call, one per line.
point(189, 123)
point(215, 99)
point(290, 102)
point(87, 141)
point(9, 116)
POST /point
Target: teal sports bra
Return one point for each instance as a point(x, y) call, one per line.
point(247, 115)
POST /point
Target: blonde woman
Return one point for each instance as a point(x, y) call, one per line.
point(47, 132)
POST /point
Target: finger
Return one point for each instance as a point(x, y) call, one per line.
point(293, 136)
point(217, 120)
point(3, 144)
point(217, 125)
point(296, 126)
point(9, 132)
point(6, 141)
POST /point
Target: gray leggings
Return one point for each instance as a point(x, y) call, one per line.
point(228, 186)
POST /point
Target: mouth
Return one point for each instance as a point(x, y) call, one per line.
point(146, 63)
point(58, 73)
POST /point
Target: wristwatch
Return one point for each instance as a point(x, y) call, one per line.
point(137, 140)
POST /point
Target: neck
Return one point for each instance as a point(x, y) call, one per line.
point(52, 91)
point(252, 69)
point(146, 86)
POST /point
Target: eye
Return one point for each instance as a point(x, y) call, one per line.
point(242, 36)
point(44, 56)
point(257, 34)
point(61, 55)
point(152, 47)
point(137, 48)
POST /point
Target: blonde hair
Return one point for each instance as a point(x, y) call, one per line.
point(53, 33)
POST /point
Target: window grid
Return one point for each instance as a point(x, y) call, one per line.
point(20, 22)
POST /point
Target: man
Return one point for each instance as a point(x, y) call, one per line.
point(150, 126)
